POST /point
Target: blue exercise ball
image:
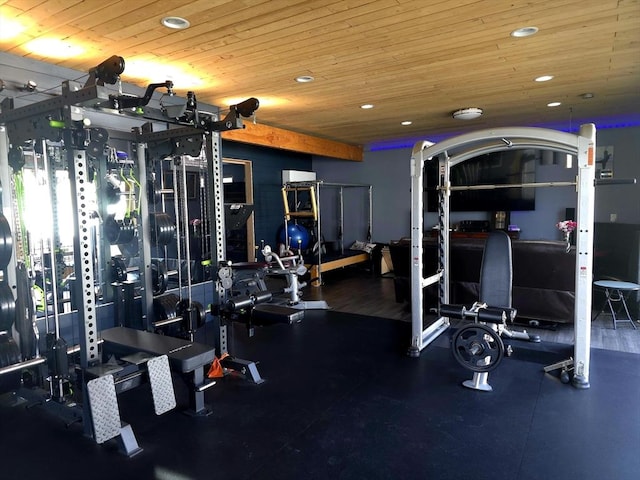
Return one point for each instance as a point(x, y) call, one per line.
point(298, 236)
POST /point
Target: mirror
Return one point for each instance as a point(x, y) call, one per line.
point(238, 199)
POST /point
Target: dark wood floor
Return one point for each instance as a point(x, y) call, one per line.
point(356, 290)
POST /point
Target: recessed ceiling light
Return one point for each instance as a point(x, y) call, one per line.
point(304, 79)
point(10, 28)
point(177, 23)
point(406, 122)
point(554, 104)
point(524, 32)
point(467, 113)
point(366, 106)
point(543, 78)
point(53, 47)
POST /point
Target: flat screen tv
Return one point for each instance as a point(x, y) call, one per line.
point(498, 168)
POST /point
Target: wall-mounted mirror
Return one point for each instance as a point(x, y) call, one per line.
point(239, 217)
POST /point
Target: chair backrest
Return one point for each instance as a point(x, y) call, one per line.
point(496, 272)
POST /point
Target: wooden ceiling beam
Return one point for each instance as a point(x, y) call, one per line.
point(274, 137)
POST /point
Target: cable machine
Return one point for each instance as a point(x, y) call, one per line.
point(63, 123)
point(456, 150)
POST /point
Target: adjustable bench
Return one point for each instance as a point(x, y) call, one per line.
point(185, 357)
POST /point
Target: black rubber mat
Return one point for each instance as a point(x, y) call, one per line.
point(342, 401)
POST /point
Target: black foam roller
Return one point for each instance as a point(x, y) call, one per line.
point(492, 315)
point(452, 311)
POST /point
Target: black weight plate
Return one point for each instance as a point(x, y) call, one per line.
point(159, 277)
point(201, 313)
point(476, 343)
point(119, 232)
point(165, 306)
point(162, 228)
point(7, 307)
point(24, 310)
point(153, 196)
point(6, 242)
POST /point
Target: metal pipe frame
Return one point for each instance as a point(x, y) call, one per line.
point(315, 196)
point(456, 150)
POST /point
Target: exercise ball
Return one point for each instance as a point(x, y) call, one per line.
point(298, 236)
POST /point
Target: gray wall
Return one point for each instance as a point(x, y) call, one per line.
point(622, 200)
point(388, 172)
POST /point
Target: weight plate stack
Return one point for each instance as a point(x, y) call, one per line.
point(7, 307)
point(119, 232)
point(159, 276)
point(199, 312)
point(153, 196)
point(6, 242)
point(163, 230)
point(165, 306)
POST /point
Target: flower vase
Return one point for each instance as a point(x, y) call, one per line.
point(567, 239)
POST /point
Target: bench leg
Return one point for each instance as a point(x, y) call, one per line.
point(196, 395)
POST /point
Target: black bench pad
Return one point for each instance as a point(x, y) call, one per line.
point(184, 356)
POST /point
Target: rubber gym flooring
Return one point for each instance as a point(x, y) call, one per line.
point(343, 401)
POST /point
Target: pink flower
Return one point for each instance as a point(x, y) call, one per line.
point(567, 226)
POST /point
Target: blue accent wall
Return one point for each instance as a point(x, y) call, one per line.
point(267, 164)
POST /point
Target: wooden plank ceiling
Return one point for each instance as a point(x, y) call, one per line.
point(414, 60)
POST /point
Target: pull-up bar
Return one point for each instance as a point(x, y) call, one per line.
point(598, 182)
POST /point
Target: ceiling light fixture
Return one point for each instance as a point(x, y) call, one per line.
point(176, 23)
point(524, 32)
point(467, 113)
point(543, 78)
point(554, 104)
point(53, 47)
point(586, 96)
point(10, 28)
point(406, 122)
point(366, 106)
point(304, 79)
